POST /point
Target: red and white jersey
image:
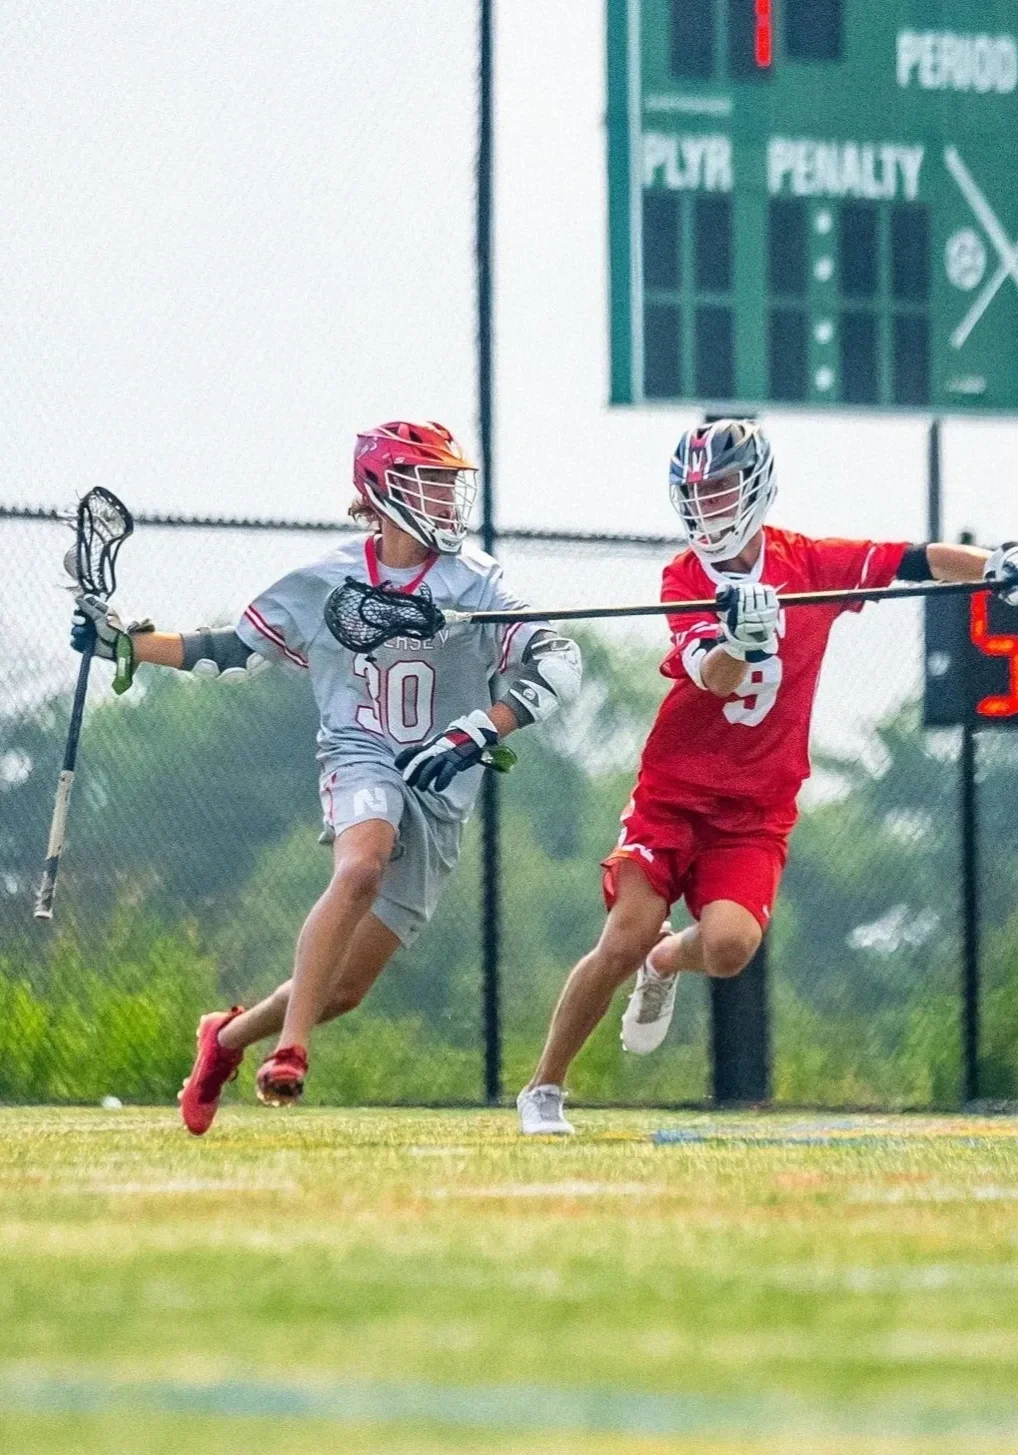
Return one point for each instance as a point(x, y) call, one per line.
point(753, 745)
point(374, 705)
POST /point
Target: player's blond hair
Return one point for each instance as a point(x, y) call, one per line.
point(365, 515)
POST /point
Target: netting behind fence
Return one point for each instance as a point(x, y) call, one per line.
point(193, 857)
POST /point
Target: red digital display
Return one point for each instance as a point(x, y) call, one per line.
point(994, 644)
point(763, 39)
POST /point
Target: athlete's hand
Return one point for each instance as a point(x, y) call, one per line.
point(749, 621)
point(465, 743)
point(97, 625)
point(1003, 566)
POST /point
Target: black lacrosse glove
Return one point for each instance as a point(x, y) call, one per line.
point(466, 742)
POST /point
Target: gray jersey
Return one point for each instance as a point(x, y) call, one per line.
point(371, 708)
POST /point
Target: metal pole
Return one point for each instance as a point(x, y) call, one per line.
point(490, 898)
point(969, 902)
point(934, 528)
point(969, 818)
point(740, 1019)
point(740, 1034)
point(970, 914)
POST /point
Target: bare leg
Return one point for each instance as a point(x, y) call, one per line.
point(359, 859)
point(722, 943)
point(631, 929)
point(371, 948)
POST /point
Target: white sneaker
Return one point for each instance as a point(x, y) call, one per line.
point(649, 1012)
point(540, 1111)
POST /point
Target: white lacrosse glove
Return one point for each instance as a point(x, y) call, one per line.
point(96, 623)
point(1003, 566)
point(749, 621)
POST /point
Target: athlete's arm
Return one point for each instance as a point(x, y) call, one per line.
point(748, 618)
point(545, 677)
point(941, 561)
point(972, 563)
point(209, 652)
point(722, 674)
point(704, 660)
point(953, 563)
point(165, 649)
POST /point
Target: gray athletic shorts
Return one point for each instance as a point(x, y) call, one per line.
point(426, 851)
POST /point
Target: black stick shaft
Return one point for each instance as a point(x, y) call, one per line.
point(58, 823)
point(680, 608)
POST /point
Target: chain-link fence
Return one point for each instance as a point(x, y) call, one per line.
point(192, 855)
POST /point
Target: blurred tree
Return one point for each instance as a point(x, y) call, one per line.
point(197, 811)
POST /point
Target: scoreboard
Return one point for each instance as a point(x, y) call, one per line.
point(971, 662)
point(814, 202)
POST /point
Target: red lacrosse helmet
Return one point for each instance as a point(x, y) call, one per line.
point(416, 474)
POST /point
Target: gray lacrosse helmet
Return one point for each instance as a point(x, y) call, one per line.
point(721, 483)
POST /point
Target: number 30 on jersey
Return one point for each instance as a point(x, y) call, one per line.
point(402, 699)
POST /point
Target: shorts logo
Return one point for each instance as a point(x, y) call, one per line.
point(766, 912)
point(640, 849)
point(369, 801)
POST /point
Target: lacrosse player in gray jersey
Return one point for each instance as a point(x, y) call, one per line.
point(405, 735)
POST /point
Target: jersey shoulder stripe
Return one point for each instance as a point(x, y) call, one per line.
point(254, 616)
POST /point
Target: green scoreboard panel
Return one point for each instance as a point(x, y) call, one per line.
point(971, 662)
point(814, 202)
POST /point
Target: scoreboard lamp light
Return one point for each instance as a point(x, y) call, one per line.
point(763, 38)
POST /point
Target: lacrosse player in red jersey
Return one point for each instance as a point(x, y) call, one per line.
point(396, 787)
point(715, 797)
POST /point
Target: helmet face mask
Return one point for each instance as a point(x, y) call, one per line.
point(714, 505)
point(721, 484)
point(417, 476)
point(433, 505)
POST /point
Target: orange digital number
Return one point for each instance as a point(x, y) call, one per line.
point(994, 645)
point(763, 37)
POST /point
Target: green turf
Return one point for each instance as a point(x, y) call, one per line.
point(799, 1296)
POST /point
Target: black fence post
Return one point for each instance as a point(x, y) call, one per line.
point(740, 1034)
point(490, 897)
point(970, 913)
point(970, 971)
point(740, 1019)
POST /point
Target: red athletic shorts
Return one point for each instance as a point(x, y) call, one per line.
point(695, 857)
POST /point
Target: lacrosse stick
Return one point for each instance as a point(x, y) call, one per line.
point(362, 617)
point(102, 524)
point(682, 608)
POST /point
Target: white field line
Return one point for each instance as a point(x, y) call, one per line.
point(558, 1189)
point(893, 1278)
point(171, 1186)
point(440, 1151)
point(894, 1195)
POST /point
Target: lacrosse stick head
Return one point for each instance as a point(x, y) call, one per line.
point(363, 617)
point(101, 526)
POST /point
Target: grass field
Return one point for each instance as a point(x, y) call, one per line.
point(399, 1281)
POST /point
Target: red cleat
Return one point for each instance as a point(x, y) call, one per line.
point(213, 1067)
point(280, 1078)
